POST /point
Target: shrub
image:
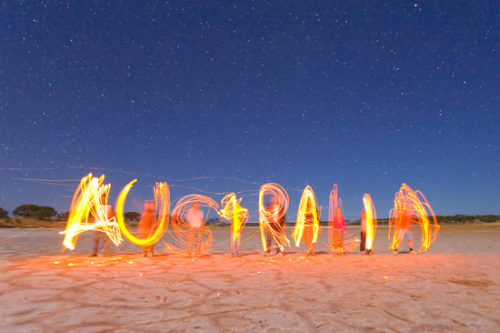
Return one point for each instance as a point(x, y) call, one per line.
point(3, 213)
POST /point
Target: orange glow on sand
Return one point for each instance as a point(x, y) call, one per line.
point(268, 217)
point(162, 200)
point(86, 200)
point(412, 207)
point(371, 221)
point(180, 227)
point(233, 212)
point(308, 205)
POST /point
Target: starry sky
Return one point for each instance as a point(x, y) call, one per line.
point(223, 96)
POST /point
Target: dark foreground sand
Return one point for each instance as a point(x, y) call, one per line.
point(455, 286)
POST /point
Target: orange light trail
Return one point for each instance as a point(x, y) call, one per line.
point(308, 206)
point(348, 243)
point(334, 202)
point(85, 203)
point(162, 201)
point(180, 226)
point(371, 221)
point(268, 217)
point(412, 207)
point(233, 212)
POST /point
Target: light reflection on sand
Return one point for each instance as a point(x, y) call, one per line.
point(452, 287)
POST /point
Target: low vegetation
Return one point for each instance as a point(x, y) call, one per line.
point(33, 216)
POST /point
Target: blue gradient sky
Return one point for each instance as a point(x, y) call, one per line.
point(365, 94)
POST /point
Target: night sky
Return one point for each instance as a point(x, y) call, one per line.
point(223, 96)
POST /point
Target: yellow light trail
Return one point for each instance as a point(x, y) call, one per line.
point(162, 201)
point(412, 207)
point(307, 217)
point(371, 221)
point(271, 217)
point(86, 201)
point(180, 227)
point(233, 212)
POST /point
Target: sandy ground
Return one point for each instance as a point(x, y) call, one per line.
point(453, 287)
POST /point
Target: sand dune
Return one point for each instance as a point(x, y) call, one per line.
point(452, 287)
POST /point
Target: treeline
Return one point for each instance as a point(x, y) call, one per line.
point(446, 219)
point(49, 213)
point(34, 211)
point(467, 218)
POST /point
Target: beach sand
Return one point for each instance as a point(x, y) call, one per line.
point(453, 287)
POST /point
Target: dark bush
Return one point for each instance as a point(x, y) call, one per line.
point(3, 213)
point(132, 216)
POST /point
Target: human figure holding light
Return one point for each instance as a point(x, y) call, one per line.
point(104, 212)
point(277, 225)
point(196, 223)
point(339, 227)
point(146, 226)
point(404, 231)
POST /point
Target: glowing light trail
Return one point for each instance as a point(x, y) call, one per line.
point(371, 221)
point(180, 227)
point(233, 212)
point(269, 218)
point(337, 242)
point(412, 207)
point(162, 201)
point(88, 198)
point(307, 217)
point(334, 203)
